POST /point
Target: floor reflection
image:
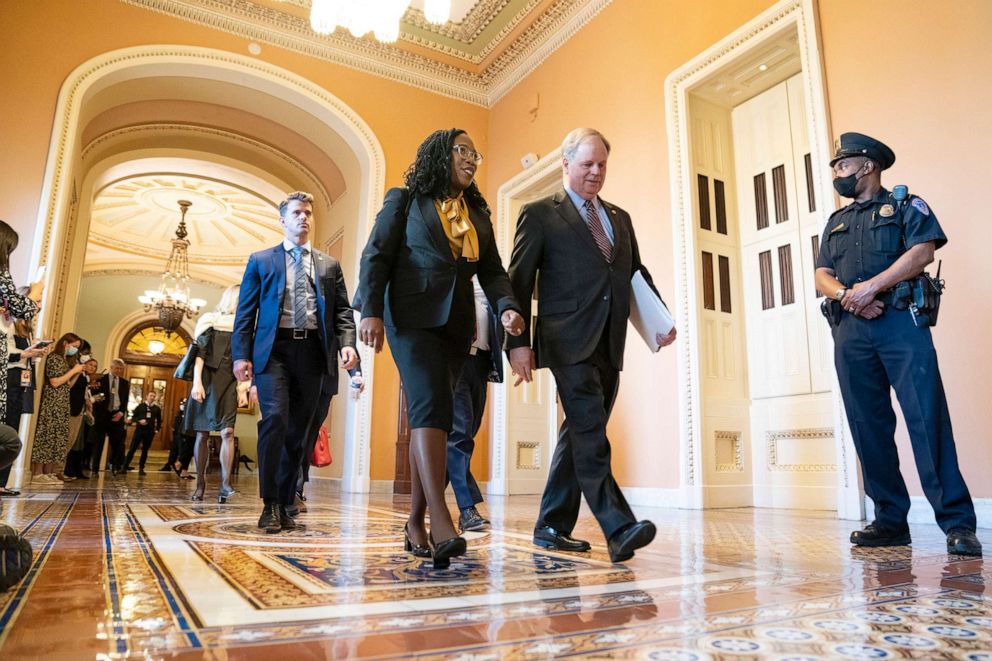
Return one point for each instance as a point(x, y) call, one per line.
point(129, 567)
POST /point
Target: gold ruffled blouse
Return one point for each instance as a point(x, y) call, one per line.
point(458, 227)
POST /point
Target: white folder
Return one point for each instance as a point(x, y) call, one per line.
point(647, 312)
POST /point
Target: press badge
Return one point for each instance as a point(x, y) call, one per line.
point(25, 378)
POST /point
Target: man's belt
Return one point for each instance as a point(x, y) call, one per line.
point(295, 333)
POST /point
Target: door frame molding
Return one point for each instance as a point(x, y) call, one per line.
point(519, 185)
point(801, 16)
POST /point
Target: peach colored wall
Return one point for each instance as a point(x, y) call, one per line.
point(907, 71)
point(916, 75)
point(400, 117)
point(623, 56)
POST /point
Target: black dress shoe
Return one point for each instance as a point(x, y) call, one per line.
point(141, 471)
point(549, 538)
point(963, 542)
point(165, 469)
point(628, 539)
point(269, 521)
point(873, 535)
point(470, 519)
point(287, 522)
point(443, 552)
point(417, 550)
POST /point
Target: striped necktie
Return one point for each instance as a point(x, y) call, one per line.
point(598, 233)
point(299, 289)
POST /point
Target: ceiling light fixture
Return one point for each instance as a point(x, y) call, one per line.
point(380, 17)
point(172, 300)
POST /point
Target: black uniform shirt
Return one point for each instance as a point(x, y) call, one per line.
point(865, 238)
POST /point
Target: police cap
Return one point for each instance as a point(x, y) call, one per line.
point(858, 144)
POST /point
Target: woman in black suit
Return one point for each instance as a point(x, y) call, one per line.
point(415, 287)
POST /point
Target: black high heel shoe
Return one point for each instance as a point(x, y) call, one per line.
point(198, 494)
point(417, 550)
point(224, 495)
point(446, 550)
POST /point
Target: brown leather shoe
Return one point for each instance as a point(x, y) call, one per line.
point(269, 521)
point(287, 522)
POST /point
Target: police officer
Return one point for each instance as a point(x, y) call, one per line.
point(867, 249)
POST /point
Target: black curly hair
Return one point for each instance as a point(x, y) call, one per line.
point(430, 174)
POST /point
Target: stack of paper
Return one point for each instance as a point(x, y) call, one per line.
point(648, 313)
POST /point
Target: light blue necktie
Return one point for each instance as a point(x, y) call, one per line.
point(299, 289)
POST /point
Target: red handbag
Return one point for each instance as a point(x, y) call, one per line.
point(322, 450)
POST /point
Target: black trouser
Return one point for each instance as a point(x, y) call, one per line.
point(142, 436)
point(15, 405)
point(10, 446)
point(187, 446)
point(470, 404)
point(581, 462)
point(288, 391)
point(114, 431)
point(873, 359)
point(319, 416)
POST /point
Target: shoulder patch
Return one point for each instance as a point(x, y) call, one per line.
point(920, 206)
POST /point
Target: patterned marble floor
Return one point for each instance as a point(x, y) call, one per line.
point(130, 568)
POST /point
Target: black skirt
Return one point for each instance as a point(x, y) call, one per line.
point(429, 361)
point(219, 409)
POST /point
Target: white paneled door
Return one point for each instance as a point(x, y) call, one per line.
point(789, 351)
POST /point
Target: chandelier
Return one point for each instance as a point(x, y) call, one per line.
point(171, 300)
point(380, 17)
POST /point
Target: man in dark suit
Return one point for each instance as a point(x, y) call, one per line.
point(147, 419)
point(109, 411)
point(586, 253)
point(293, 318)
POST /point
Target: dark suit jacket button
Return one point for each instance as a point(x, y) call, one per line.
point(606, 298)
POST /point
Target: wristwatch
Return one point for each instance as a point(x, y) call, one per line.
point(839, 294)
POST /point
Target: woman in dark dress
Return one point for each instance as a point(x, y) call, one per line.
point(214, 399)
point(415, 287)
point(14, 304)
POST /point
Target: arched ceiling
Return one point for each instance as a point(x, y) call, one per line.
point(224, 220)
point(486, 48)
point(135, 213)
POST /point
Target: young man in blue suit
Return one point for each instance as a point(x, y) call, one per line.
point(293, 320)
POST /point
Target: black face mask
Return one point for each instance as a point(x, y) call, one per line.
point(845, 186)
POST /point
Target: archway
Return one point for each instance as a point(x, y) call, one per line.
point(280, 94)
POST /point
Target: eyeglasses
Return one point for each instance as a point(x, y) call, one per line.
point(468, 154)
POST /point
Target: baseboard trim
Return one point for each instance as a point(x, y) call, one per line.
point(921, 512)
point(381, 486)
point(651, 497)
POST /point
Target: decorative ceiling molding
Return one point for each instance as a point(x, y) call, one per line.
point(215, 282)
point(515, 60)
point(171, 129)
